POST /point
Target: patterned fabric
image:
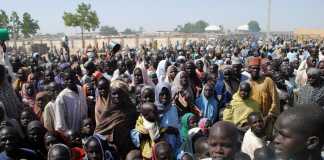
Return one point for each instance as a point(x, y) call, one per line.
point(311, 95)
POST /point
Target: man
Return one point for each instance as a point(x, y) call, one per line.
point(90, 69)
point(313, 91)
point(264, 92)
point(301, 76)
point(122, 68)
point(254, 137)
point(237, 70)
point(300, 133)
point(223, 141)
point(70, 105)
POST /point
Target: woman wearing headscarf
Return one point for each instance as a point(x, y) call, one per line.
point(170, 74)
point(168, 114)
point(98, 144)
point(208, 104)
point(181, 83)
point(140, 76)
point(28, 93)
point(42, 98)
point(8, 96)
point(118, 118)
point(188, 121)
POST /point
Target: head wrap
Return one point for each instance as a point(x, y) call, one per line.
point(254, 61)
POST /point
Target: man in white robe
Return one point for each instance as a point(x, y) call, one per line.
point(70, 105)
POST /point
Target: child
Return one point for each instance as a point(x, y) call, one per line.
point(36, 132)
point(201, 148)
point(208, 104)
point(188, 121)
point(51, 139)
point(87, 129)
point(162, 151)
point(147, 129)
point(73, 139)
point(59, 152)
point(98, 144)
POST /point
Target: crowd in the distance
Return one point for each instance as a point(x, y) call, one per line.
point(226, 99)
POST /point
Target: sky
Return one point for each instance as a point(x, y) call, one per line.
point(154, 15)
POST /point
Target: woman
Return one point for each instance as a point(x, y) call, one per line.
point(28, 93)
point(181, 83)
point(168, 114)
point(170, 74)
point(97, 148)
point(208, 104)
point(42, 98)
point(188, 121)
point(118, 118)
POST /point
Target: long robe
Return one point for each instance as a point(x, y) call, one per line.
point(239, 109)
point(70, 110)
point(49, 116)
point(10, 100)
point(264, 92)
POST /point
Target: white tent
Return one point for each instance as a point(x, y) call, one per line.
point(213, 28)
point(243, 28)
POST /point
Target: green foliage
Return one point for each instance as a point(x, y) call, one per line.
point(29, 25)
point(129, 31)
point(197, 27)
point(254, 26)
point(15, 25)
point(83, 18)
point(4, 20)
point(106, 31)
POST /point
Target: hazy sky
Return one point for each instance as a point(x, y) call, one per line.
point(167, 14)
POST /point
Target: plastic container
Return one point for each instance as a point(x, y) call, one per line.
point(4, 34)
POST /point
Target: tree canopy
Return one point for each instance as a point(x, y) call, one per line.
point(254, 26)
point(29, 25)
point(84, 18)
point(197, 27)
point(4, 20)
point(129, 31)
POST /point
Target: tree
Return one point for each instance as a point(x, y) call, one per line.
point(4, 20)
point(141, 30)
point(29, 25)
point(197, 27)
point(106, 31)
point(129, 31)
point(15, 26)
point(84, 18)
point(254, 26)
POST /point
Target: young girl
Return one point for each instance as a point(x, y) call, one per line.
point(207, 103)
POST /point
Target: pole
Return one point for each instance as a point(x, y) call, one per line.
point(269, 20)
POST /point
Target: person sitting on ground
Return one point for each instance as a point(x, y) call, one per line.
point(299, 133)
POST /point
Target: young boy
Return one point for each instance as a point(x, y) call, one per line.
point(147, 129)
point(300, 133)
point(87, 130)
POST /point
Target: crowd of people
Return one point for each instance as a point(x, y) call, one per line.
point(225, 99)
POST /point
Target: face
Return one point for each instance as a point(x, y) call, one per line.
point(200, 65)
point(30, 89)
point(165, 96)
point(287, 141)
point(25, 118)
point(69, 81)
point(193, 121)
point(312, 79)
point(244, 92)
point(254, 71)
point(190, 68)
point(138, 77)
point(121, 66)
point(186, 157)
point(103, 88)
point(173, 73)
point(208, 91)
point(221, 146)
point(147, 96)
point(148, 112)
point(8, 140)
point(87, 127)
point(115, 96)
point(184, 79)
point(213, 69)
point(237, 69)
point(93, 150)
point(41, 102)
point(163, 153)
point(311, 62)
point(257, 124)
point(74, 138)
point(35, 135)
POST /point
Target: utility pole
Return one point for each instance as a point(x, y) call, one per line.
point(269, 20)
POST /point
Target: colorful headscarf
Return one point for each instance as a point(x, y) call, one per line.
point(185, 125)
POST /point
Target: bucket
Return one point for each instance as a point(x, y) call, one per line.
point(4, 34)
